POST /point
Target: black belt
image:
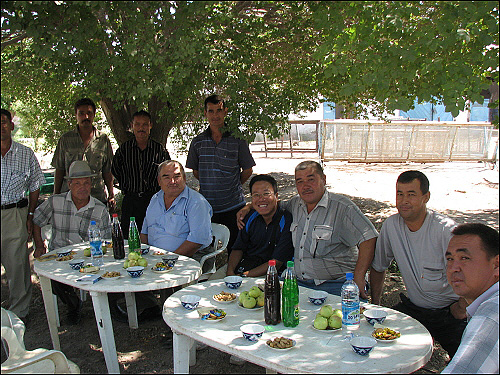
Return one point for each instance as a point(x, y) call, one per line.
point(141, 194)
point(22, 203)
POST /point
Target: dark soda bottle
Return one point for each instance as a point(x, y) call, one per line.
point(117, 238)
point(272, 295)
point(290, 297)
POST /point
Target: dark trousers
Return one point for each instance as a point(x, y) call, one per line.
point(441, 324)
point(134, 206)
point(66, 294)
point(228, 219)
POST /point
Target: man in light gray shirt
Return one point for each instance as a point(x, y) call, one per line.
point(418, 238)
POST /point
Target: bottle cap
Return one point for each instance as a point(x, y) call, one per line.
point(349, 276)
point(272, 262)
point(115, 215)
point(132, 218)
point(92, 222)
point(290, 263)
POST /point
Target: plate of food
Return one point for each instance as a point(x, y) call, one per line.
point(326, 330)
point(224, 297)
point(281, 343)
point(89, 268)
point(385, 334)
point(256, 307)
point(161, 267)
point(159, 252)
point(64, 258)
point(113, 275)
point(210, 314)
point(46, 257)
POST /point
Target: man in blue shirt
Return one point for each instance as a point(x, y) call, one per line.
point(266, 234)
point(222, 163)
point(178, 217)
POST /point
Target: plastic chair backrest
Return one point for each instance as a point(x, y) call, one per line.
point(221, 239)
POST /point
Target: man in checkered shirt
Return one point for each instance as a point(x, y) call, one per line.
point(472, 271)
point(20, 173)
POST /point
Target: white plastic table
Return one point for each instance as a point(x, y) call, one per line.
point(315, 351)
point(185, 271)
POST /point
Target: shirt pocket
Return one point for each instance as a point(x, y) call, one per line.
point(19, 178)
point(434, 278)
point(322, 238)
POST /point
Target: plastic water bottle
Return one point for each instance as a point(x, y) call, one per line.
point(350, 302)
point(134, 242)
point(117, 238)
point(95, 244)
point(272, 295)
point(290, 297)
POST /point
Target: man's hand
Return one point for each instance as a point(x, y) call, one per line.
point(39, 250)
point(240, 215)
point(111, 204)
point(458, 310)
point(29, 227)
point(360, 282)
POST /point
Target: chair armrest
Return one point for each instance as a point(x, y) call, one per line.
point(58, 358)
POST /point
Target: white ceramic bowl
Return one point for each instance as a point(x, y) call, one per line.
point(363, 345)
point(317, 297)
point(190, 301)
point(233, 282)
point(144, 249)
point(76, 264)
point(135, 271)
point(375, 316)
point(170, 259)
point(252, 332)
point(62, 253)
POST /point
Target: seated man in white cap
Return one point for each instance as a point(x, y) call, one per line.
point(70, 214)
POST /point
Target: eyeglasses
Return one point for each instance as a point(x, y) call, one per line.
point(264, 195)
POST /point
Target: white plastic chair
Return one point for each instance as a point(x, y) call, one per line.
point(38, 361)
point(11, 320)
point(221, 239)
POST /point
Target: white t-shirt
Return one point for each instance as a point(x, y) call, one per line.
point(420, 257)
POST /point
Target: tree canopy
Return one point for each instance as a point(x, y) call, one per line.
point(269, 59)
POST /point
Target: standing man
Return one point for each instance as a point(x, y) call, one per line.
point(135, 166)
point(87, 143)
point(20, 173)
point(418, 238)
point(472, 271)
point(330, 234)
point(222, 164)
point(70, 214)
point(178, 217)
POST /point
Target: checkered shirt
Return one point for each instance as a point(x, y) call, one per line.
point(20, 172)
point(69, 225)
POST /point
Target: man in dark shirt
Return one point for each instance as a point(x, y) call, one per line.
point(135, 166)
point(266, 234)
point(222, 163)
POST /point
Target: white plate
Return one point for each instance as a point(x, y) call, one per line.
point(216, 300)
point(282, 350)
point(381, 340)
point(325, 330)
point(204, 310)
point(164, 271)
point(111, 278)
point(158, 253)
point(255, 308)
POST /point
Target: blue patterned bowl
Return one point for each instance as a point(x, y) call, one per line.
point(252, 332)
point(144, 249)
point(233, 282)
point(170, 259)
point(317, 297)
point(363, 345)
point(62, 253)
point(135, 271)
point(190, 301)
point(375, 316)
point(76, 264)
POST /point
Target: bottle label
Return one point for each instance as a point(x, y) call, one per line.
point(96, 248)
point(296, 312)
point(350, 314)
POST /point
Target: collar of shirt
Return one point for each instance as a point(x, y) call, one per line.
point(91, 203)
point(208, 132)
point(472, 308)
point(161, 198)
point(13, 148)
point(134, 143)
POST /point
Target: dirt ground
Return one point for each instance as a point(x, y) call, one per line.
point(464, 191)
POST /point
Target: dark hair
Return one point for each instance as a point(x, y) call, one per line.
point(141, 113)
point(7, 113)
point(488, 236)
point(166, 162)
point(84, 101)
point(266, 178)
point(409, 176)
point(214, 99)
point(310, 163)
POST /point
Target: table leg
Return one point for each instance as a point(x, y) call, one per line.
point(183, 347)
point(50, 311)
point(131, 310)
point(105, 328)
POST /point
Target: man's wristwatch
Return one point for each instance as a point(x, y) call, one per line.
point(31, 213)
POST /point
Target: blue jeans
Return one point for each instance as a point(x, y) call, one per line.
point(330, 286)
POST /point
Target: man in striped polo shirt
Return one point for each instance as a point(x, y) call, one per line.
point(222, 163)
point(135, 167)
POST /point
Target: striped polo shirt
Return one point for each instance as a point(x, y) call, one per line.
point(219, 166)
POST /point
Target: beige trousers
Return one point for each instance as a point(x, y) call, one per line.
point(15, 259)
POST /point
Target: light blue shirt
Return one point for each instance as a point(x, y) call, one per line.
point(188, 218)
